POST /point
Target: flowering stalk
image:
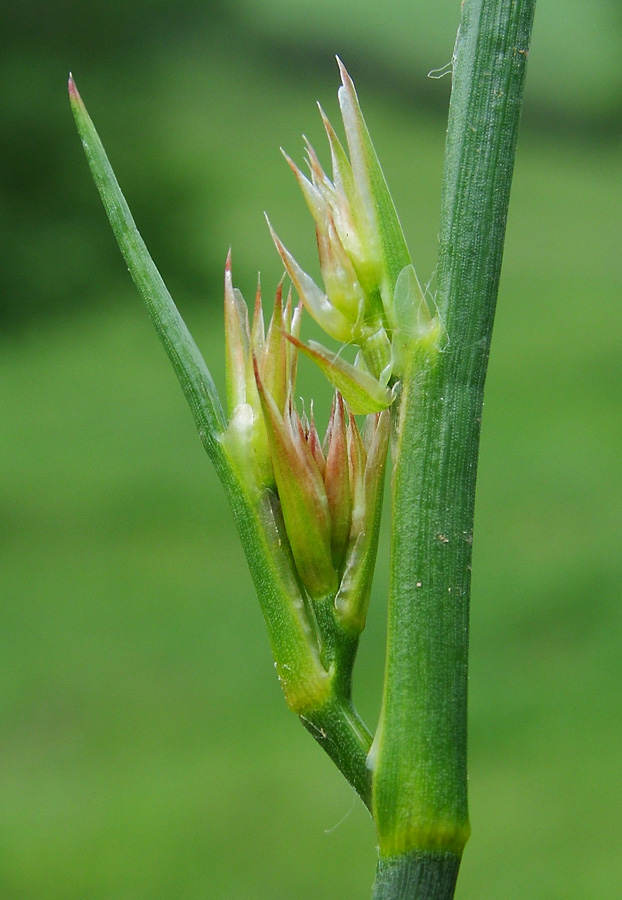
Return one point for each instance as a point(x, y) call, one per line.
point(308, 510)
point(319, 694)
point(327, 496)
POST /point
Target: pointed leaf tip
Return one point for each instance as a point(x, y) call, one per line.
point(345, 77)
point(73, 90)
point(288, 158)
point(189, 365)
point(228, 275)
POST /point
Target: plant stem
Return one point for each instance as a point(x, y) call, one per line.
point(417, 875)
point(341, 733)
point(420, 789)
point(420, 800)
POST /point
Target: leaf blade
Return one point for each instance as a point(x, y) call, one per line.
point(188, 363)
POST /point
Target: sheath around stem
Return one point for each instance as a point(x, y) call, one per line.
point(419, 752)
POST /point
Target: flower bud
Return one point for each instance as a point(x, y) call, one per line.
point(337, 481)
point(246, 438)
point(304, 502)
point(367, 467)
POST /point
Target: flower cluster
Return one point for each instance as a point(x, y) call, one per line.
point(329, 492)
point(372, 297)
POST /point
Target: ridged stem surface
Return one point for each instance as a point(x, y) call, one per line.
point(419, 785)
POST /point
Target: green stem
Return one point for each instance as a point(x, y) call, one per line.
point(420, 800)
point(416, 875)
point(341, 733)
point(420, 789)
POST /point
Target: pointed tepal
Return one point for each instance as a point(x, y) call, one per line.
point(361, 391)
point(302, 495)
point(331, 319)
point(372, 187)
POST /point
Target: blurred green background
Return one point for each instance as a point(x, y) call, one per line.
point(145, 750)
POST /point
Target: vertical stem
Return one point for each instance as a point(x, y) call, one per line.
point(420, 801)
point(417, 875)
point(419, 786)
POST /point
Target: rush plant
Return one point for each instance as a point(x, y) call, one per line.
point(307, 509)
